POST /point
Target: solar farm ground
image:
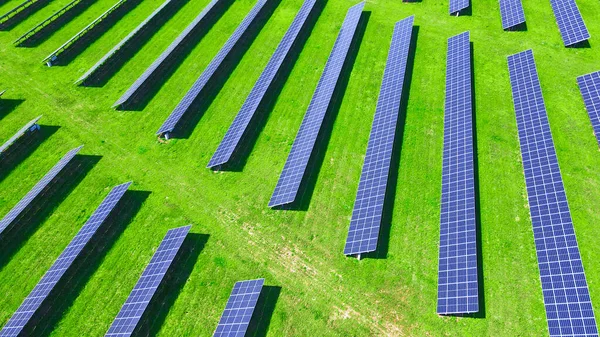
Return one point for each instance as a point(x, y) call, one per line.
point(315, 290)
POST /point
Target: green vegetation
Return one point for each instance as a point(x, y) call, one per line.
point(322, 292)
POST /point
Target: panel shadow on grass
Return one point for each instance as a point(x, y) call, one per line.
point(22, 15)
point(51, 28)
point(23, 148)
point(203, 101)
point(172, 285)
point(128, 50)
point(94, 33)
point(167, 68)
point(265, 306)
point(85, 265)
point(383, 243)
point(315, 162)
point(581, 45)
point(17, 234)
point(521, 27)
point(258, 122)
point(9, 105)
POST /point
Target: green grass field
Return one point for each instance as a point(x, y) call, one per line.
point(323, 293)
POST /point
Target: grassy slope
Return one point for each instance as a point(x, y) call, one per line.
point(301, 251)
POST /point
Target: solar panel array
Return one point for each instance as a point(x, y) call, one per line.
point(21, 7)
point(133, 89)
point(569, 20)
point(31, 126)
point(238, 311)
point(589, 85)
point(458, 5)
point(295, 166)
point(44, 23)
point(566, 296)
point(512, 13)
point(237, 129)
point(65, 46)
point(38, 295)
point(35, 191)
point(190, 96)
point(457, 274)
point(121, 43)
point(368, 206)
point(141, 295)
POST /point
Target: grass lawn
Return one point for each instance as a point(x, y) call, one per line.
point(323, 293)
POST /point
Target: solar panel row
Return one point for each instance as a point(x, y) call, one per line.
point(29, 127)
point(65, 46)
point(368, 207)
point(35, 191)
point(456, 6)
point(238, 311)
point(512, 13)
point(240, 124)
point(121, 43)
point(566, 295)
point(457, 273)
point(45, 23)
point(144, 78)
point(295, 166)
point(171, 122)
point(30, 306)
point(589, 85)
point(128, 318)
point(21, 7)
point(569, 20)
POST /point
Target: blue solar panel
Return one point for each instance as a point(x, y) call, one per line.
point(133, 89)
point(35, 191)
point(512, 13)
point(121, 43)
point(38, 295)
point(295, 166)
point(207, 74)
point(237, 129)
point(569, 20)
point(29, 127)
point(368, 206)
point(457, 274)
point(141, 295)
point(238, 311)
point(589, 85)
point(458, 5)
point(566, 296)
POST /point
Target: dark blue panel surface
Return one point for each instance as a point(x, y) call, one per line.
point(368, 206)
point(295, 166)
point(238, 311)
point(457, 274)
point(512, 13)
point(589, 85)
point(569, 20)
point(566, 295)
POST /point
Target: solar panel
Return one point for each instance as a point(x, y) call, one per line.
point(35, 191)
point(141, 295)
point(569, 20)
point(29, 127)
point(566, 296)
point(237, 129)
point(238, 311)
point(368, 206)
point(21, 318)
point(2, 92)
point(457, 273)
point(133, 89)
point(589, 85)
point(65, 46)
point(512, 13)
point(119, 45)
point(46, 22)
point(170, 123)
point(458, 5)
point(295, 166)
point(21, 7)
